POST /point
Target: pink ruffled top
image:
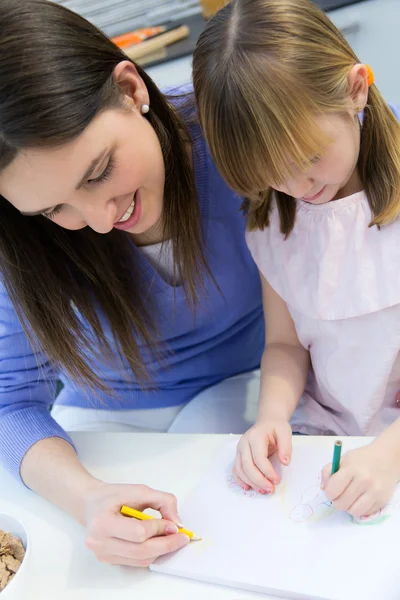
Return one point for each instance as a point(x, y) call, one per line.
point(340, 279)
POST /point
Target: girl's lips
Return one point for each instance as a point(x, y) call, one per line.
point(135, 216)
point(315, 197)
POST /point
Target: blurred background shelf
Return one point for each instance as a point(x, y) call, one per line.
point(371, 27)
point(117, 16)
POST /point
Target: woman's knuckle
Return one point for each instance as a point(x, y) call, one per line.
point(140, 534)
point(142, 488)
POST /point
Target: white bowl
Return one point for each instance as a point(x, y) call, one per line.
point(11, 524)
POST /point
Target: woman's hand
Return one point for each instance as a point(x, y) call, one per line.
point(253, 469)
point(120, 540)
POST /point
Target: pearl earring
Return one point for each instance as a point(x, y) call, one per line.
point(144, 109)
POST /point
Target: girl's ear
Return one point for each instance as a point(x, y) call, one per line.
point(358, 86)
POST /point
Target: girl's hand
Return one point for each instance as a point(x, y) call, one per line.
point(120, 540)
point(365, 481)
point(252, 468)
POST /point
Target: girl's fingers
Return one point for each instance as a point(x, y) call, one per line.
point(240, 481)
point(337, 483)
point(259, 455)
point(325, 474)
point(350, 495)
point(284, 443)
point(256, 477)
point(240, 472)
point(362, 506)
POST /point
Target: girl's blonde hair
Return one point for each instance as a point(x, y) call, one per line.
point(263, 70)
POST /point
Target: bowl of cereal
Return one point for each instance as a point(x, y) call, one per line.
point(13, 549)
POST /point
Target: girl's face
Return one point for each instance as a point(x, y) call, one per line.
point(110, 176)
point(333, 173)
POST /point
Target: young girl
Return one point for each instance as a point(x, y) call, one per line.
point(124, 266)
point(295, 123)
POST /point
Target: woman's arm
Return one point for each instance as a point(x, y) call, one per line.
point(35, 447)
point(52, 469)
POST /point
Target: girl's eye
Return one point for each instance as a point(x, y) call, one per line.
point(105, 174)
point(53, 213)
point(315, 159)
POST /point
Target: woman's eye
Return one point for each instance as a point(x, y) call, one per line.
point(105, 174)
point(53, 213)
point(315, 159)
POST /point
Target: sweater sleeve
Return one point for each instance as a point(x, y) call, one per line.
point(27, 389)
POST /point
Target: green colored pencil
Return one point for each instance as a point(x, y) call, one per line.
point(337, 451)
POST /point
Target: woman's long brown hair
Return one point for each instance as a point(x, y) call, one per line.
point(262, 71)
point(56, 75)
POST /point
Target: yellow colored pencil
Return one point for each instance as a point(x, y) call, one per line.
point(137, 514)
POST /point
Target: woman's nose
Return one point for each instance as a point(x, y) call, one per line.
point(100, 216)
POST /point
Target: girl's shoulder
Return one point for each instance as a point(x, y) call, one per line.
point(333, 265)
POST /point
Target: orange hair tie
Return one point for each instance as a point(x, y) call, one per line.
point(371, 76)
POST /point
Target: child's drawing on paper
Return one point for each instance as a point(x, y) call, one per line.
point(206, 545)
point(310, 505)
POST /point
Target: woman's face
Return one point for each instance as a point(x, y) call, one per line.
point(110, 176)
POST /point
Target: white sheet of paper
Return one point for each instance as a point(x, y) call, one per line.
point(292, 544)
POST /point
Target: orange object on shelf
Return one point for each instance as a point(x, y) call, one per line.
point(136, 37)
point(137, 51)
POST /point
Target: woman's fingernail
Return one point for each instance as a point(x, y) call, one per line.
point(246, 488)
point(262, 491)
point(170, 529)
point(286, 460)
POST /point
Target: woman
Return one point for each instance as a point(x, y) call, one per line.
point(124, 266)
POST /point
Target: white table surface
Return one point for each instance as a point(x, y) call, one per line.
point(60, 565)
